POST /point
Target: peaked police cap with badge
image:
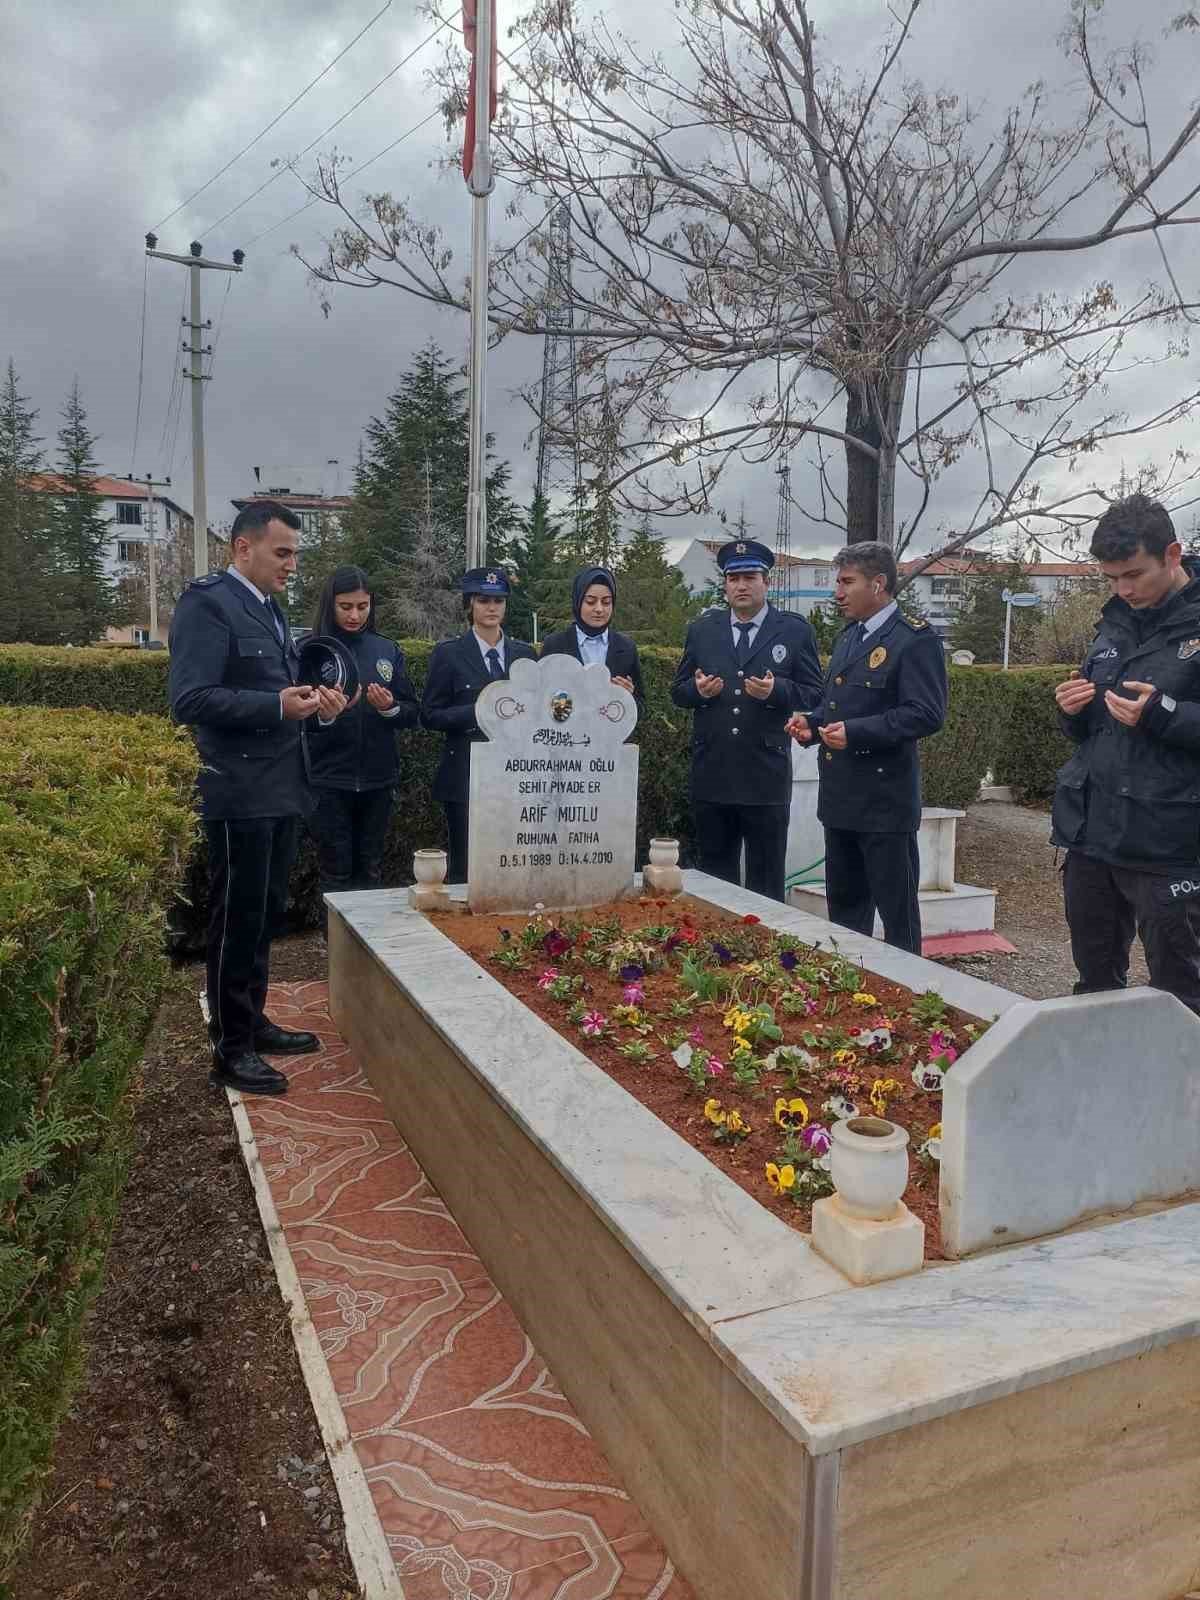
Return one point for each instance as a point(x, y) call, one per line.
point(485, 580)
point(745, 555)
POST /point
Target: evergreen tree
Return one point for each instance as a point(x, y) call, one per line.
point(26, 603)
point(827, 622)
point(88, 599)
point(541, 578)
point(416, 455)
point(979, 626)
point(655, 604)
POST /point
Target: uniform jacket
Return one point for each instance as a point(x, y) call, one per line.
point(621, 659)
point(740, 752)
point(1131, 796)
point(358, 749)
point(890, 691)
point(456, 675)
point(227, 669)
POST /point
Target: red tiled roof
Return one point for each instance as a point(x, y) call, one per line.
point(110, 488)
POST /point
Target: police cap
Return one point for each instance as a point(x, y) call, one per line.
point(486, 580)
point(745, 555)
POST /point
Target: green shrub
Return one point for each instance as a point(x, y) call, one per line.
point(95, 823)
point(1031, 747)
point(955, 761)
point(130, 681)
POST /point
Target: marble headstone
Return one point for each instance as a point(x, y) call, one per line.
point(1069, 1108)
point(553, 813)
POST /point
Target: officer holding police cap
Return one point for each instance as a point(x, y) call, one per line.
point(744, 672)
point(234, 680)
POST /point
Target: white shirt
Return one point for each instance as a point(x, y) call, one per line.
point(878, 620)
point(755, 621)
point(484, 647)
point(592, 648)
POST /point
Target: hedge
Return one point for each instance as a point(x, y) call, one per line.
point(95, 824)
point(983, 730)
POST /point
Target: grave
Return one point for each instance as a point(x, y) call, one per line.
point(1023, 1422)
point(553, 814)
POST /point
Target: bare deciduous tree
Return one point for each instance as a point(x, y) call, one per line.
point(769, 250)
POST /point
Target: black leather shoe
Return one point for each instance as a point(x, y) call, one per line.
point(273, 1041)
point(249, 1074)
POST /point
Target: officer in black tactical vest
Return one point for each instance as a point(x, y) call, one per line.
point(885, 689)
point(743, 672)
point(233, 680)
point(1127, 805)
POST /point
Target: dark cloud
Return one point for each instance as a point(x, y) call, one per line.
point(110, 119)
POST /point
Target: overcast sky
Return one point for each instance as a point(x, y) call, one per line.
point(110, 119)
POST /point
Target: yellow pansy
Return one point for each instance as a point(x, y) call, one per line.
point(845, 1058)
point(862, 998)
point(713, 1112)
point(737, 1019)
point(780, 1179)
point(936, 1131)
point(736, 1123)
point(754, 968)
point(791, 1113)
point(880, 1090)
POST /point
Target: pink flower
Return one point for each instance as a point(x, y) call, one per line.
point(816, 1138)
point(942, 1044)
point(715, 1067)
point(696, 1037)
point(633, 994)
point(548, 977)
point(810, 1007)
point(594, 1023)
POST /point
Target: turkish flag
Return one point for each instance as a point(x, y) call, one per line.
point(468, 20)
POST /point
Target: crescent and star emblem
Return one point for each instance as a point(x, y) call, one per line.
point(507, 707)
point(614, 711)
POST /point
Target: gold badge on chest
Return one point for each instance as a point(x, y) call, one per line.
point(877, 657)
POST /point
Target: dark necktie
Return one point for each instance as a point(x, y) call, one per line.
point(742, 652)
point(276, 617)
point(495, 670)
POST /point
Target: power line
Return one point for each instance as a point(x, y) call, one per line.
point(274, 120)
point(212, 355)
point(176, 378)
point(137, 421)
point(275, 176)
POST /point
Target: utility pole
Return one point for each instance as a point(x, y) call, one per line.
point(196, 263)
point(151, 561)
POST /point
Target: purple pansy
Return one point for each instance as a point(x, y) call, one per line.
point(789, 960)
point(556, 943)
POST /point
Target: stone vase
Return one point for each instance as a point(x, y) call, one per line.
point(869, 1166)
point(664, 852)
point(429, 867)
point(662, 875)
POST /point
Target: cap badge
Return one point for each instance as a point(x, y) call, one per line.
point(740, 549)
point(492, 578)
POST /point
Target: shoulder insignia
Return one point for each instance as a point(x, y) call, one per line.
point(916, 622)
point(206, 581)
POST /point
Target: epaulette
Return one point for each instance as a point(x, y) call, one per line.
point(206, 581)
point(914, 622)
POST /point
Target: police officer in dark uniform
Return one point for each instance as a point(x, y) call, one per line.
point(884, 690)
point(233, 680)
point(458, 670)
point(1127, 805)
point(744, 672)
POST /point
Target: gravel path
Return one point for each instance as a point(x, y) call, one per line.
point(1007, 848)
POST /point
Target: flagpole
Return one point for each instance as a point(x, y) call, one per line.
point(480, 182)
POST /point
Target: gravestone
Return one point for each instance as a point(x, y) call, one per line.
point(553, 814)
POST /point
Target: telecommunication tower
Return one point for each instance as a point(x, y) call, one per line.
point(781, 572)
point(558, 467)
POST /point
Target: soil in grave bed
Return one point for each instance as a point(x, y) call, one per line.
point(659, 992)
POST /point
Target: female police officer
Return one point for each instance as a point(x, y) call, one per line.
point(590, 637)
point(458, 670)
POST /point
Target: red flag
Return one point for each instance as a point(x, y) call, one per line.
point(468, 21)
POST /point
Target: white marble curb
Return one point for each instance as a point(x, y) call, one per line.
point(365, 1538)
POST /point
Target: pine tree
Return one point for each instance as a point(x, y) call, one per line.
point(419, 449)
point(26, 606)
point(979, 626)
point(541, 576)
point(654, 603)
point(88, 599)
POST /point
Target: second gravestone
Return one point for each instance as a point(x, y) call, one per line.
point(553, 814)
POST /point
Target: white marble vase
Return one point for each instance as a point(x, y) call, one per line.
point(429, 867)
point(869, 1166)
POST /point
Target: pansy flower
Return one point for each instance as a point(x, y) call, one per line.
point(549, 977)
point(594, 1023)
point(722, 952)
point(839, 1108)
point(932, 1146)
point(750, 919)
point(780, 1179)
point(714, 1114)
point(817, 1139)
point(789, 960)
point(791, 1114)
point(715, 1066)
point(555, 943)
point(942, 1048)
point(845, 1058)
point(880, 1090)
point(928, 1075)
point(736, 1123)
point(696, 1037)
point(631, 973)
point(633, 994)
point(862, 998)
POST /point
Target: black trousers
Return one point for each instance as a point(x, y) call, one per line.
point(869, 872)
point(248, 867)
point(456, 847)
point(721, 831)
point(1105, 905)
point(351, 829)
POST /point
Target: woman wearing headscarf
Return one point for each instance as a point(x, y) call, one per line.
point(458, 669)
point(353, 762)
point(591, 638)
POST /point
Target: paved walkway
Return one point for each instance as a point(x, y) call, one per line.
point(488, 1486)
